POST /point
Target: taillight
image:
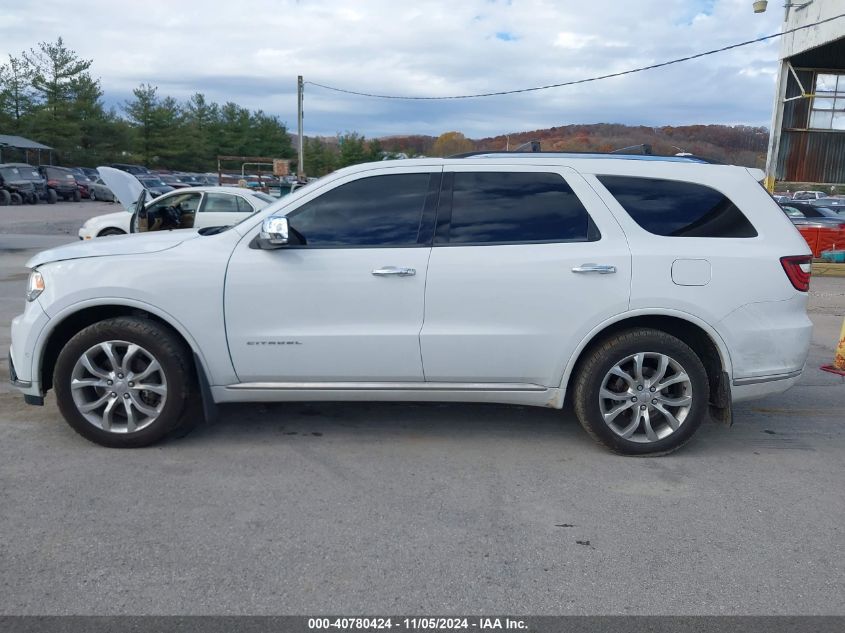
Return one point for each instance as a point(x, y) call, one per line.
point(798, 268)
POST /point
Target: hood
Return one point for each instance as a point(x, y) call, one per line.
point(124, 186)
point(136, 244)
point(21, 182)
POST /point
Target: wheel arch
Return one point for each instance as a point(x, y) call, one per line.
point(62, 327)
point(110, 230)
point(700, 336)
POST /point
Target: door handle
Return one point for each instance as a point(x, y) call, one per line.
point(601, 269)
point(394, 271)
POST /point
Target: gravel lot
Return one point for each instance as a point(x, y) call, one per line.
point(419, 509)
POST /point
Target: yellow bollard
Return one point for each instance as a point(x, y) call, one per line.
point(838, 366)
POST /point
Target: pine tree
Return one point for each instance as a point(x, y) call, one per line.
point(16, 97)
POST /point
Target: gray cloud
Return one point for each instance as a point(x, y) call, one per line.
point(250, 53)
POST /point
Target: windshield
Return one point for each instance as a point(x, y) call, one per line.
point(150, 182)
point(170, 179)
point(20, 173)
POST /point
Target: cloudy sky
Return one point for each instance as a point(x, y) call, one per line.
point(251, 52)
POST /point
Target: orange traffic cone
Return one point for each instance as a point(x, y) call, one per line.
point(838, 366)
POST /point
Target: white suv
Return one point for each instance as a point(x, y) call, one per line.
point(650, 291)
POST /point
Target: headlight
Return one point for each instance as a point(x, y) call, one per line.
point(35, 285)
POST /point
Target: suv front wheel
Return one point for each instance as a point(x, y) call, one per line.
point(123, 382)
point(642, 392)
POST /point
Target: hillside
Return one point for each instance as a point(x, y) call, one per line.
point(739, 144)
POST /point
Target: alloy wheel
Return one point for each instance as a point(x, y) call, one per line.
point(645, 397)
point(118, 387)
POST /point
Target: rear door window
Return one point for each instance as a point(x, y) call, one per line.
point(676, 208)
point(516, 208)
point(220, 203)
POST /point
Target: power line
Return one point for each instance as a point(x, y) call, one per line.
point(581, 81)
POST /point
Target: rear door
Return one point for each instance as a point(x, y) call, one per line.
point(221, 209)
point(526, 261)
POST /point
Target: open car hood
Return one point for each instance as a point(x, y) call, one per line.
point(124, 186)
point(136, 244)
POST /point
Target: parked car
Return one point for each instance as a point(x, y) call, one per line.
point(132, 169)
point(26, 172)
point(173, 181)
point(834, 203)
point(210, 180)
point(192, 180)
point(19, 185)
point(92, 173)
point(805, 210)
point(153, 184)
point(98, 190)
point(206, 206)
point(608, 279)
point(808, 195)
point(83, 182)
point(62, 181)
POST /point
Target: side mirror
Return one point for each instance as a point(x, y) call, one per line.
point(274, 233)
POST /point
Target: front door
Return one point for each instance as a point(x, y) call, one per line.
point(347, 304)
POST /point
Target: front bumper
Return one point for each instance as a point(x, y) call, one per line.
point(23, 385)
point(24, 354)
point(13, 375)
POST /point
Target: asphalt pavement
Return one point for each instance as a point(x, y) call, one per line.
point(419, 508)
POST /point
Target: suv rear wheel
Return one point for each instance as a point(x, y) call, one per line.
point(123, 382)
point(642, 392)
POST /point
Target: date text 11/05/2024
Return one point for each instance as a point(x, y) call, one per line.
point(417, 623)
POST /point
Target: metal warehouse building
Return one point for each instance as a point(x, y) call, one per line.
point(807, 143)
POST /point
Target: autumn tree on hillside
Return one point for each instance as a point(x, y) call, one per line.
point(450, 143)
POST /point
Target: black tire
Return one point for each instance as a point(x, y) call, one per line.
point(77, 196)
point(105, 232)
point(52, 197)
point(16, 199)
point(609, 353)
point(170, 352)
point(32, 198)
point(92, 195)
point(5, 198)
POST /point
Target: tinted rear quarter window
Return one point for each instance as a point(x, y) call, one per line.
point(678, 209)
point(516, 207)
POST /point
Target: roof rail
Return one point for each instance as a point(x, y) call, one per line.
point(687, 158)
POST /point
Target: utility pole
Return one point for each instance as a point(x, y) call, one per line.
point(300, 163)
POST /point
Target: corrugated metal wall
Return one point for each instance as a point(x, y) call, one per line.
point(810, 155)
